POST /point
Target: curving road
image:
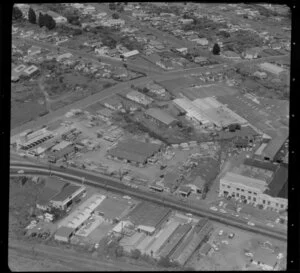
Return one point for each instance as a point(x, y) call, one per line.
point(76, 176)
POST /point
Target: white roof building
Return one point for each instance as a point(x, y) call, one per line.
point(131, 53)
point(80, 215)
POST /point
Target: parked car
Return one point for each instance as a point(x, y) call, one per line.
point(221, 232)
point(251, 224)
point(21, 171)
point(270, 225)
point(223, 211)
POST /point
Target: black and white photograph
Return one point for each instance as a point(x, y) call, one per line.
point(149, 136)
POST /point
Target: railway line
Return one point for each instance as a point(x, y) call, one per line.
point(78, 176)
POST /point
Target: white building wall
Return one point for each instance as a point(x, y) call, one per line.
point(252, 195)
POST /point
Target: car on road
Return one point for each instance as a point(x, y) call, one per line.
point(270, 225)
point(251, 224)
point(189, 215)
point(213, 208)
point(127, 197)
point(21, 171)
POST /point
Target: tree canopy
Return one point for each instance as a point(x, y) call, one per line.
point(31, 16)
point(17, 13)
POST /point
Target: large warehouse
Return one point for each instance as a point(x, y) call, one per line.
point(209, 112)
point(148, 217)
point(134, 151)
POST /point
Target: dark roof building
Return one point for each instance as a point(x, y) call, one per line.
point(161, 116)
point(148, 214)
point(278, 185)
point(52, 187)
point(134, 151)
point(63, 234)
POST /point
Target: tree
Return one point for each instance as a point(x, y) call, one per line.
point(49, 22)
point(216, 49)
point(31, 16)
point(17, 13)
point(115, 16)
point(41, 20)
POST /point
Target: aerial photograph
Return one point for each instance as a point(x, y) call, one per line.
point(149, 136)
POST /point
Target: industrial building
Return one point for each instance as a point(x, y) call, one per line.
point(30, 139)
point(78, 217)
point(130, 54)
point(51, 188)
point(209, 112)
point(201, 231)
point(252, 190)
point(65, 197)
point(273, 147)
point(134, 151)
point(174, 240)
point(63, 234)
point(161, 117)
point(148, 217)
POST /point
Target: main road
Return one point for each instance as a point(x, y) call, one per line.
point(77, 175)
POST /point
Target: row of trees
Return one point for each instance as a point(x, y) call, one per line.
point(43, 19)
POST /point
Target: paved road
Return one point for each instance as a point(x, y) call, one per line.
point(91, 179)
point(76, 260)
point(82, 103)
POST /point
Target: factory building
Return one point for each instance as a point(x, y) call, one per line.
point(161, 117)
point(148, 217)
point(209, 112)
point(51, 188)
point(66, 196)
point(174, 240)
point(30, 139)
point(78, 217)
point(201, 231)
point(134, 151)
point(255, 191)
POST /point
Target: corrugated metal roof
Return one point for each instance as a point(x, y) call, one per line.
point(274, 146)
